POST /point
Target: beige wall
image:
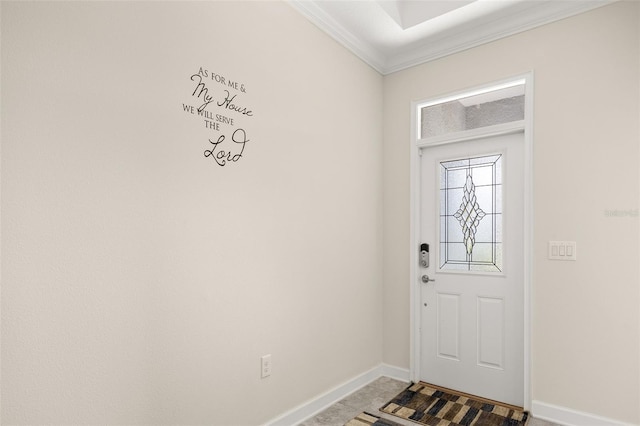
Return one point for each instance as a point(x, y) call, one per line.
point(141, 282)
point(586, 138)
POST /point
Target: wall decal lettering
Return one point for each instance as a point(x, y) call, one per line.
point(221, 105)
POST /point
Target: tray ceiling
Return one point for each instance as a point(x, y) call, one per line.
point(391, 35)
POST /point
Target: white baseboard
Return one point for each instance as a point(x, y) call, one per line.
point(394, 372)
point(320, 403)
point(568, 417)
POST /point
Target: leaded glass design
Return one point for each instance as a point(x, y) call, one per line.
point(471, 214)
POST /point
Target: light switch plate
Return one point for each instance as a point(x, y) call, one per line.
point(562, 250)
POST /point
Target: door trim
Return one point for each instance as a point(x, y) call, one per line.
point(415, 152)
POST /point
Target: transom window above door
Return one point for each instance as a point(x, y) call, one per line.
point(497, 105)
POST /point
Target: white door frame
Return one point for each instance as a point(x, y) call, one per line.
point(414, 273)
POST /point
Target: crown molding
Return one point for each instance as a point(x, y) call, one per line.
point(325, 22)
point(519, 17)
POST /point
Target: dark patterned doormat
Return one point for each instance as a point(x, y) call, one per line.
point(366, 419)
point(429, 405)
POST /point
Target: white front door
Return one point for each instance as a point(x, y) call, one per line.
point(472, 218)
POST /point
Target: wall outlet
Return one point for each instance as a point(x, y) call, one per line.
point(266, 365)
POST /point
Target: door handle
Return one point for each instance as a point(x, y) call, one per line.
point(425, 279)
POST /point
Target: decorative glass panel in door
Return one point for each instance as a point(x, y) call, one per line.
point(471, 214)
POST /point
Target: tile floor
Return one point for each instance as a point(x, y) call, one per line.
point(370, 398)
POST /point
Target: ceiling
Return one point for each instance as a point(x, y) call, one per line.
point(391, 35)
